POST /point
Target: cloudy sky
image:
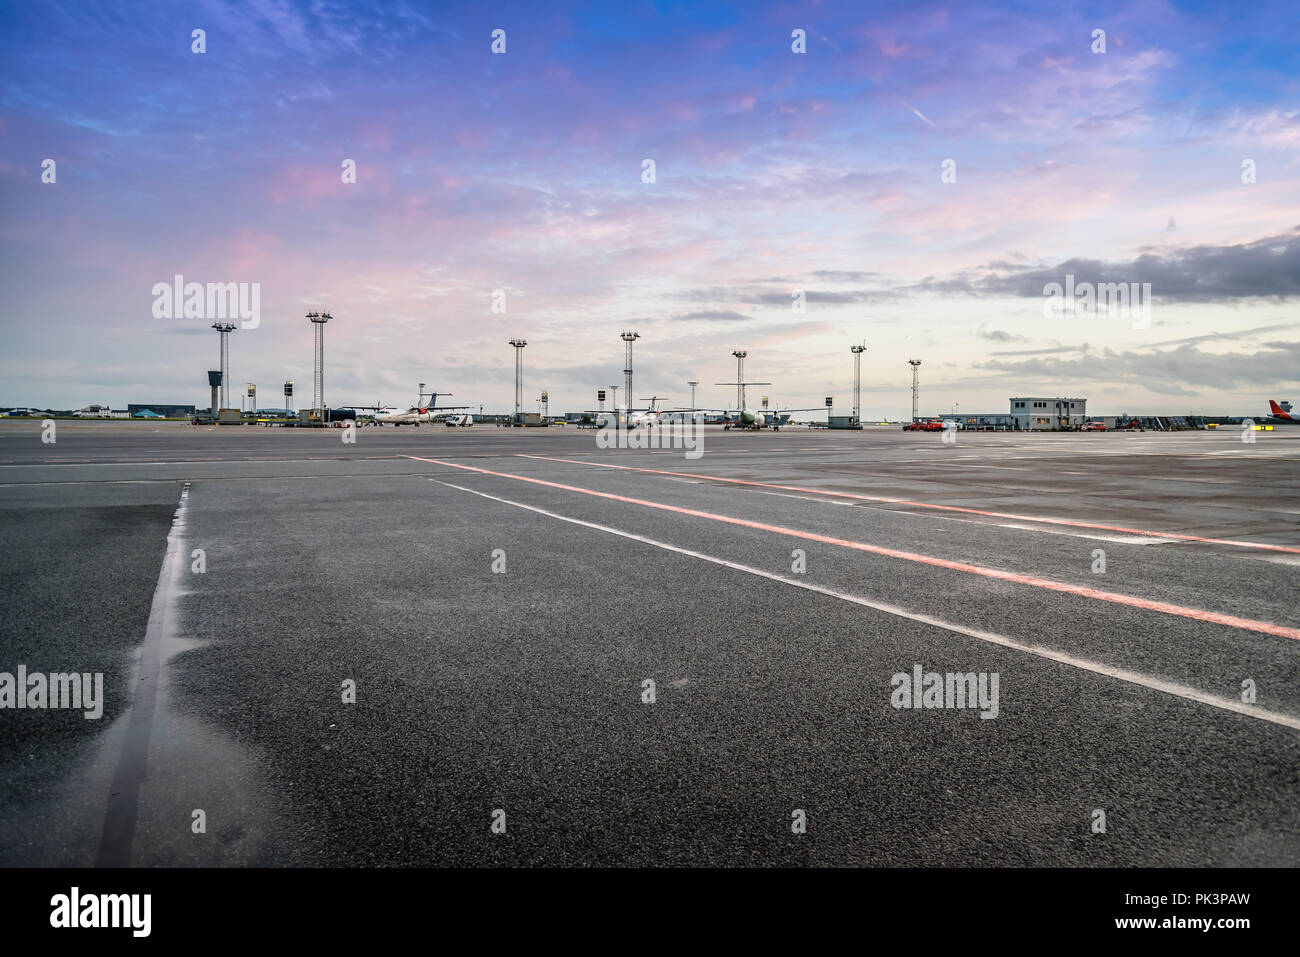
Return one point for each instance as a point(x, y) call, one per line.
point(775, 173)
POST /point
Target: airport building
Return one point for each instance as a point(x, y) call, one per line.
point(137, 411)
point(985, 421)
point(1055, 414)
point(1028, 414)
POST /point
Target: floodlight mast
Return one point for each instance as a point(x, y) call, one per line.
point(857, 380)
point(916, 383)
point(318, 320)
point(740, 378)
point(519, 378)
point(740, 382)
point(628, 337)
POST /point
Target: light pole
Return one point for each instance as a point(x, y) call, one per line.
point(857, 380)
point(740, 378)
point(318, 320)
point(628, 338)
point(519, 377)
point(916, 383)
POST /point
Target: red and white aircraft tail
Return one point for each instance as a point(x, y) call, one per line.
point(1281, 413)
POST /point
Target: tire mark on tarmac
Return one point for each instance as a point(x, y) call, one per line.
point(1121, 674)
point(124, 798)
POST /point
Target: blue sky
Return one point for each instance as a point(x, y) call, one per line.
point(775, 172)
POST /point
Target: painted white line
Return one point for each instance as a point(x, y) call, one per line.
point(1117, 539)
point(1114, 539)
point(1095, 667)
point(1119, 598)
point(1070, 523)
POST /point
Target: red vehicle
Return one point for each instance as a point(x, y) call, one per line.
point(1095, 427)
point(924, 426)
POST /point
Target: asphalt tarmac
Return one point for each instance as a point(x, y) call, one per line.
point(499, 599)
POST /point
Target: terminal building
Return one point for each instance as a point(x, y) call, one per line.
point(1049, 414)
point(1028, 414)
point(163, 411)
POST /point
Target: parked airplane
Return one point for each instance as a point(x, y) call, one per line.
point(746, 418)
point(763, 418)
point(646, 418)
point(416, 413)
point(631, 418)
point(1282, 413)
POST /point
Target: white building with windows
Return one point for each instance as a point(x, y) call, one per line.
point(1049, 414)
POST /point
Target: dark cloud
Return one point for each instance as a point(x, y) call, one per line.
point(1264, 269)
point(1055, 350)
point(715, 315)
point(836, 275)
point(998, 335)
point(1241, 334)
point(762, 297)
point(1181, 371)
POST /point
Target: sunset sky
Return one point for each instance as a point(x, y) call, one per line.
point(774, 172)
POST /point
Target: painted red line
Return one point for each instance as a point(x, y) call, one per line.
point(946, 508)
point(1199, 614)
